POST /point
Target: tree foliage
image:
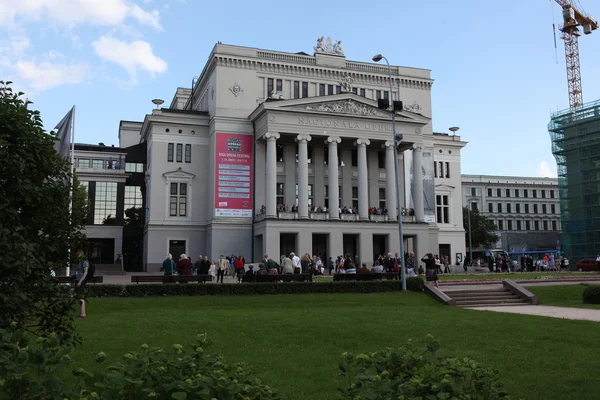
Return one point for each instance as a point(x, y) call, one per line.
point(482, 229)
point(35, 227)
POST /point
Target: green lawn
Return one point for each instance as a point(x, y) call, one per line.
point(562, 296)
point(294, 342)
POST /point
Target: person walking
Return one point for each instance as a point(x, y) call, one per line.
point(222, 267)
point(81, 279)
point(431, 269)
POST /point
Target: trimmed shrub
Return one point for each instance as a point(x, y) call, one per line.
point(591, 295)
point(416, 371)
point(228, 289)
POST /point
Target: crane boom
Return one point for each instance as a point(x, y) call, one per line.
point(573, 18)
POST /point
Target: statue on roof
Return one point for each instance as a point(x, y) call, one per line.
point(337, 48)
point(319, 48)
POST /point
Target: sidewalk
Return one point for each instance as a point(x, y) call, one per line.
point(582, 314)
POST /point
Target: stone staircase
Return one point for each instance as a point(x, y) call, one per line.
point(486, 297)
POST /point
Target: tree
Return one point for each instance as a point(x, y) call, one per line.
point(35, 226)
point(482, 229)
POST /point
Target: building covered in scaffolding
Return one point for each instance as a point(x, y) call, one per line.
point(575, 135)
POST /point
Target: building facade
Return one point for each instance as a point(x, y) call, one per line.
point(525, 210)
point(274, 152)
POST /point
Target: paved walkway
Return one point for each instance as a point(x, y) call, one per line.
point(548, 311)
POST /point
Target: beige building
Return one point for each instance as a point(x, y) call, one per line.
point(262, 129)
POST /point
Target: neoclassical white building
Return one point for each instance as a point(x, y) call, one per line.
point(261, 129)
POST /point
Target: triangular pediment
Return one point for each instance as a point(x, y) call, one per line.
point(445, 187)
point(179, 174)
point(348, 104)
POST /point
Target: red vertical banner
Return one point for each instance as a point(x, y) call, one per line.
point(233, 175)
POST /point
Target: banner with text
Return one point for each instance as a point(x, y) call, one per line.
point(234, 175)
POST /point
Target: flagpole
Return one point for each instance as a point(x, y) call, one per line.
point(71, 182)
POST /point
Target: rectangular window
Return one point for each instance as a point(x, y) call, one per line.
point(297, 89)
point(535, 208)
point(178, 200)
point(363, 92)
point(435, 174)
point(500, 225)
point(534, 194)
point(338, 89)
point(443, 209)
point(498, 192)
point(489, 192)
point(536, 225)
point(329, 90)
point(311, 194)
point(447, 170)
point(170, 151)
point(527, 225)
point(491, 207)
point(382, 198)
point(280, 193)
point(99, 164)
point(377, 94)
point(188, 153)
point(544, 209)
point(519, 225)
point(543, 194)
point(509, 225)
point(516, 192)
point(304, 89)
point(554, 226)
point(499, 207)
point(354, 196)
point(552, 194)
point(507, 192)
point(133, 198)
point(83, 163)
point(321, 89)
point(105, 202)
point(386, 95)
point(518, 206)
point(472, 191)
point(508, 208)
point(134, 167)
point(441, 174)
point(552, 209)
point(474, 207)
point(525, 193)
point(279, 84)
point(354, 90)
point(270, 87)
point(545, 223)
point(173, 206)
point(526, 208)
point(179, 152)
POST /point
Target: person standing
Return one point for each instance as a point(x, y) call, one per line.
point(81, 279)
point(168, 265)
point(184, 266)
point(223, 265)
point(239, 268)
point(431, 269)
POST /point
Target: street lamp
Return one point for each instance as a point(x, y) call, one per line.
point(397, 140)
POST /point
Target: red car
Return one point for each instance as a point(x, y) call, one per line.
point(587, 264)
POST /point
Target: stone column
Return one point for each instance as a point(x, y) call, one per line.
point(303, 175)
point(271, 174)
point(390, 180)
point(363, 179)
point(332, 179)
point(418, 183)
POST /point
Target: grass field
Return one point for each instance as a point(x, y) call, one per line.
point(294, 342)
point(562, 296)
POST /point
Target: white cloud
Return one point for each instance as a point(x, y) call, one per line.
point(545, 171)
point(132, 56)
point(77, 12)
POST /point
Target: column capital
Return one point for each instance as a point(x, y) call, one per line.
point(301, 138)
point(362, 142)
point(272, 136)
point(333, 139)
point(417, 147)
point(388, 145)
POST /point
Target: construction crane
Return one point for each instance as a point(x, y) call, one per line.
point(573, 18)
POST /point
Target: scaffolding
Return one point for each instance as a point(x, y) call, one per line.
point(575, 138)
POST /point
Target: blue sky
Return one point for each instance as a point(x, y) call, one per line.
point(494, 64)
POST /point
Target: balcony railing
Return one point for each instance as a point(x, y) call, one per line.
point(288, 215)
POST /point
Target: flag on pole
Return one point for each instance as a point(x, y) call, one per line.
point(64, 130)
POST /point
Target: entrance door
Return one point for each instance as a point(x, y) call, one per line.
point(319, 246)
point(176, 248)
point(445, 251)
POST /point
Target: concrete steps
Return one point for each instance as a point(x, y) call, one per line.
point(485, 298)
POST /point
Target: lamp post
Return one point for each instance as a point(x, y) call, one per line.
point(397, 140)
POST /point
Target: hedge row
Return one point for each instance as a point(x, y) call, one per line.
point(591, 295)
point(414, 284)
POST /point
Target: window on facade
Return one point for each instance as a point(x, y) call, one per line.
point(338, 89)
point(132, 199)
point(554, 226)
point(536, 225)
point(279, 84)
point(447, 170)
point(179, 154)
point(170, 151)
point(188, 153)
point(491, 207)
point(304, 89)
point(363, 92)
point(525, 193)
point(552, 209)
point(178, 200)
point(534, 193)
point(435, 174)
point(134, 167)
point(443, 209)
point(519, 225)
point(507, 192)
point(311, 194)
point(297, 89)
point(552, 194)
point(99, 164)
point(386, 95)
point(382, 198)
point(518, 208)
point(321, 89)
point(269, 87)
point(489, 192)
point(354, 154)
point(500, 225)
point(509, 225)
point(535, 208)
point(329, 90)
point(516, 192)
point(498, 192)
point(279, 153)
point(441, 173)
point(527, 225)
point(474, 206)
point(105, 202)
point(377, 94)
point(543, 194)
point(354, 90)
point(526, 208)
point(83, 163)
point(544, 209)
point(280, 193)
point(545, 223)
point(509, 208)
point(499, 207)
point(472, 191)
point(354, 196)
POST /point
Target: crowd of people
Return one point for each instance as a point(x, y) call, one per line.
point(523, 263)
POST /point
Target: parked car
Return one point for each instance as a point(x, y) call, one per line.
point(587, 264)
